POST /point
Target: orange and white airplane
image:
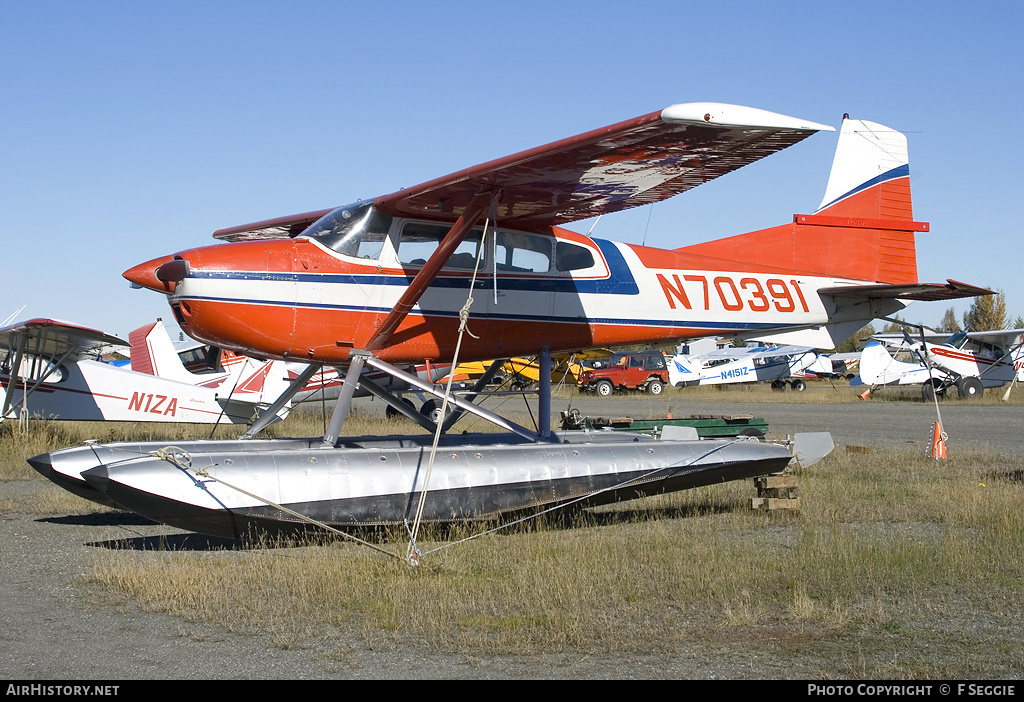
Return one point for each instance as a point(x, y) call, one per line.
point(475, 266)
point(393, 279)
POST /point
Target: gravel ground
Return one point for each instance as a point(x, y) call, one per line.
point(57, 628)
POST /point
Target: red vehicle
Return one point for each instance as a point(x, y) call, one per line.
point(637, 370)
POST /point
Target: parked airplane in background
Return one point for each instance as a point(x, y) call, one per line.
point(64, 375)
point(474, 266)
point(974, 361)
point(54, 370)
point(748, 364)
point(878, 367)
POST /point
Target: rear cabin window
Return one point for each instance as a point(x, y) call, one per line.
point(522, 253)
point(510, 252)
point(570, 257)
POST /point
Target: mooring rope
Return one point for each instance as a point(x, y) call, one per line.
point(413, 553)
point(182, 459)
point(172, 453)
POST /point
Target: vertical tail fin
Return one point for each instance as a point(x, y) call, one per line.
point(864, 229)
point(153, 353)
point(870, 174)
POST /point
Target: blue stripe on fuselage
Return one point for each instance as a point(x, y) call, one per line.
point(620, 280)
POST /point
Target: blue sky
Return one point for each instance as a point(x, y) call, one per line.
point(133, 130)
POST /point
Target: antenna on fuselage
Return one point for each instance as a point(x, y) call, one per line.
point(650, 211)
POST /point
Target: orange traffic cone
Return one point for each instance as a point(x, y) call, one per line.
point(938, 445)
point(864, 395)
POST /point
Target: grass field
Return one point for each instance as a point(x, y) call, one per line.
point(896, 566)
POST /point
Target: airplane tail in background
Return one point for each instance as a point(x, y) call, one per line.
point(864, 228)
point(877, 366)
point(153, 353)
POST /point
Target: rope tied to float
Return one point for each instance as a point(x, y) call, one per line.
point(172, 453)
point(413, 553)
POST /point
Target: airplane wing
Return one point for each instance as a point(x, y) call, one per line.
point(277, 228)
point(998, 337)
point(632, 163)
point(51, 338)
point(735, 352)
point(898, 340)
point(775, 351)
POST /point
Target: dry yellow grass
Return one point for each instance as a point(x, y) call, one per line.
point(889, 546)
point(885, 541)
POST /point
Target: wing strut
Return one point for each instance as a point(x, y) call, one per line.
point(53, 363)
point(359, 357)
point(14, 375)
point(431, 268)
point(270, 414)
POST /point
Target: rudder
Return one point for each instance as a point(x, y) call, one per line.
point(153, 353)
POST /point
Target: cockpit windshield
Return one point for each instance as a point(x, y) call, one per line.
point(353, 230)
point(957, 340)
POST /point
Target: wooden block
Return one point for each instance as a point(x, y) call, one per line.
point(768, 482)
point(772, 504)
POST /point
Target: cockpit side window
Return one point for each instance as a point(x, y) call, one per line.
point(419, 240)
point(354, 230)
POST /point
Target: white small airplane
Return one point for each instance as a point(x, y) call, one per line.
point(974, 361)
point(62, 374)
point(878, 367)
point(748, 365)
point(55, 369)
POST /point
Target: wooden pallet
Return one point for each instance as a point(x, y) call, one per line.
point(776, 493)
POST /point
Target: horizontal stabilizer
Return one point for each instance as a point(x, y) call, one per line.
point(952, 290)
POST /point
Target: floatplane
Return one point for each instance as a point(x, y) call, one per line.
point(476, 265)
